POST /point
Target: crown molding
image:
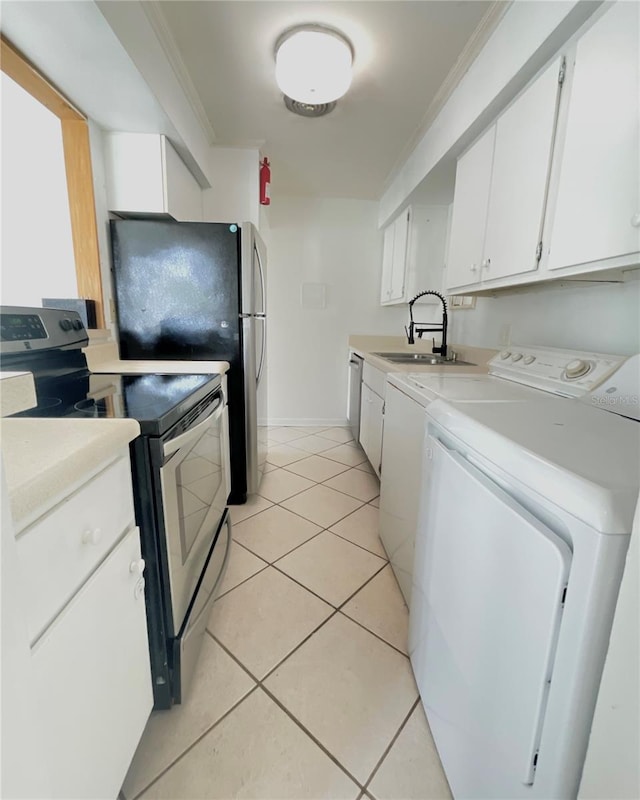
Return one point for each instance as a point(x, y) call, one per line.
point(158, 21)
point(468, 55)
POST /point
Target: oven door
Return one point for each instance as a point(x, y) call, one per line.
point(194, 495)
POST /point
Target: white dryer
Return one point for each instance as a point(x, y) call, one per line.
point(524, 523)
point(522, 374)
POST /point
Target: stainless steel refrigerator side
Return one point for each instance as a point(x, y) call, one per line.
point(253, 308)
point(250, 402)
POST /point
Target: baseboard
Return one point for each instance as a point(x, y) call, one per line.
point(308, 423)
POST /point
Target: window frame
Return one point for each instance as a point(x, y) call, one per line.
point(78, 168)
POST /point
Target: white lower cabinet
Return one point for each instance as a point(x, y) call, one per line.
point(372, 413)
point(92, 679)
point(371, 425)
point(401, 482)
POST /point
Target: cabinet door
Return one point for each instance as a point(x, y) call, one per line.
point(524, 136)
point(598, 185)
point(183, 193)
point(401, 482)
point(387, 263)
point(93, 680)
point(469, 217)
point(371, 423)
point(399, 260)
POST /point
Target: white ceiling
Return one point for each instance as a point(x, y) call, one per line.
point(404, 51)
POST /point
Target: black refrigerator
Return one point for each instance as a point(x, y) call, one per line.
point(195, 291)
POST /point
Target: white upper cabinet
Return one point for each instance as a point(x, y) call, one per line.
point(413, 253)
point(595, 189)
point(394, 259)
point(552, 189)
point(145, 175)
point(500, 190)
point(469, 215)
point(522, 153)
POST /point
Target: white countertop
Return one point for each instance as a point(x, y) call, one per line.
point(104, 358)
point(45, 459)
point(17, 392)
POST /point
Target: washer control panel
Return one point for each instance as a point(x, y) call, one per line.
point(571, 373)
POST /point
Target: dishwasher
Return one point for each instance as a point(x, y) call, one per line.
point(356, 363)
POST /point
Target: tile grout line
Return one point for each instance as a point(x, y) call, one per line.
point(194, 743)
point(316, 741)
point(373, 633)
point(391, 743)
point(267, 675)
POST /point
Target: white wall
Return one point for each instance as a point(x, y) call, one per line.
point(37, 248)
point(333, 242)
point(234, 193)
point(603, 318)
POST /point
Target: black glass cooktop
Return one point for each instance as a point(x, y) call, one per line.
point(157, 402)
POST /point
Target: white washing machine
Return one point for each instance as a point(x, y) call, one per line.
point(524, 523)
point(548, 372)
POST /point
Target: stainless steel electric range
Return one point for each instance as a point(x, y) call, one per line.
point(180, 474)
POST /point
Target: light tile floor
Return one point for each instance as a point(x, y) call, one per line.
point(304, 688)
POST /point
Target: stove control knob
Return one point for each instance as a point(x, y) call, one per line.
point(77, 325)
point(65, 324)
point(529, 359)
point(516, 357)
point(504, 355)
point(577, 368)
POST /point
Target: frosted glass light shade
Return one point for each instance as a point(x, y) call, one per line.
point(313, 66)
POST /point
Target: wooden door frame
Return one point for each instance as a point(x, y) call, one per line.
point(77, 159)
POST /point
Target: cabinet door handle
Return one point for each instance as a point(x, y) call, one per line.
point(486, 263)
point(474, 268)
point(137, 566)
point(635, 220)
point(92, 536)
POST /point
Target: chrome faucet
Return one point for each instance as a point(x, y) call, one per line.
point(417, 329)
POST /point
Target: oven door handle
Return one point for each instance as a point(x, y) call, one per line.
point(173, 445)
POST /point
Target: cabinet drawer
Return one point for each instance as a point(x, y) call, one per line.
point(93, 681)
point(61, 549)
point(375, 379)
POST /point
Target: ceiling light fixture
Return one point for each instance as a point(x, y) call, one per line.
point(313, 64)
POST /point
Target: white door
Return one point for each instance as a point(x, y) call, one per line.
point(485, 615)
point(469, 216)
point(521, 162)
point(598, 161)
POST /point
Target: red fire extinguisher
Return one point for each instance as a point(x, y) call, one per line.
point(265, 180)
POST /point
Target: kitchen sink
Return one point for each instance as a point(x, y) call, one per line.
point(422, 358)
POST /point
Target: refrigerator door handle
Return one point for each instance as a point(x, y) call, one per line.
point(262, 355)
point(262, 283)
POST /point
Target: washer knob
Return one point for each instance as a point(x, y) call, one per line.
point(65, 324)
point(504, 355)
point(577, 368)
point(516, 356)
point(529, 359)
point(77, 324)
